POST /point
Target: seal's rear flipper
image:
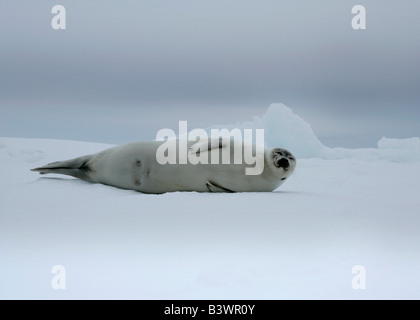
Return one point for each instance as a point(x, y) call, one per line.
point(78, 167)
point(216, 188)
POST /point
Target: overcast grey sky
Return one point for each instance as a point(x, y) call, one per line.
point(122, 70)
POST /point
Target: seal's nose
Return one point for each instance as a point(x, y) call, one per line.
point(283, 163)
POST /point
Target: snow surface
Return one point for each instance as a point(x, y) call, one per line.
point(341, 208)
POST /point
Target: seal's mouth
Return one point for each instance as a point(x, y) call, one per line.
point(282, 163)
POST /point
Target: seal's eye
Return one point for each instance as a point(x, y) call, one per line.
point(287, 153)
point(282, 163)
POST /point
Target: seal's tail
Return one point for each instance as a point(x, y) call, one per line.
point(78, 167)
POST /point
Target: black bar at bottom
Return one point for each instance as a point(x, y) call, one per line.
point(171, 309)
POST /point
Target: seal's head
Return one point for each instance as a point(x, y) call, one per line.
point(282, 162)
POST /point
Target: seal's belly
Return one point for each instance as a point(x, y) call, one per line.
point(169, 178)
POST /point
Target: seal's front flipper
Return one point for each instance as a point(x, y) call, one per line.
point(207, 145)
point(216, 188)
